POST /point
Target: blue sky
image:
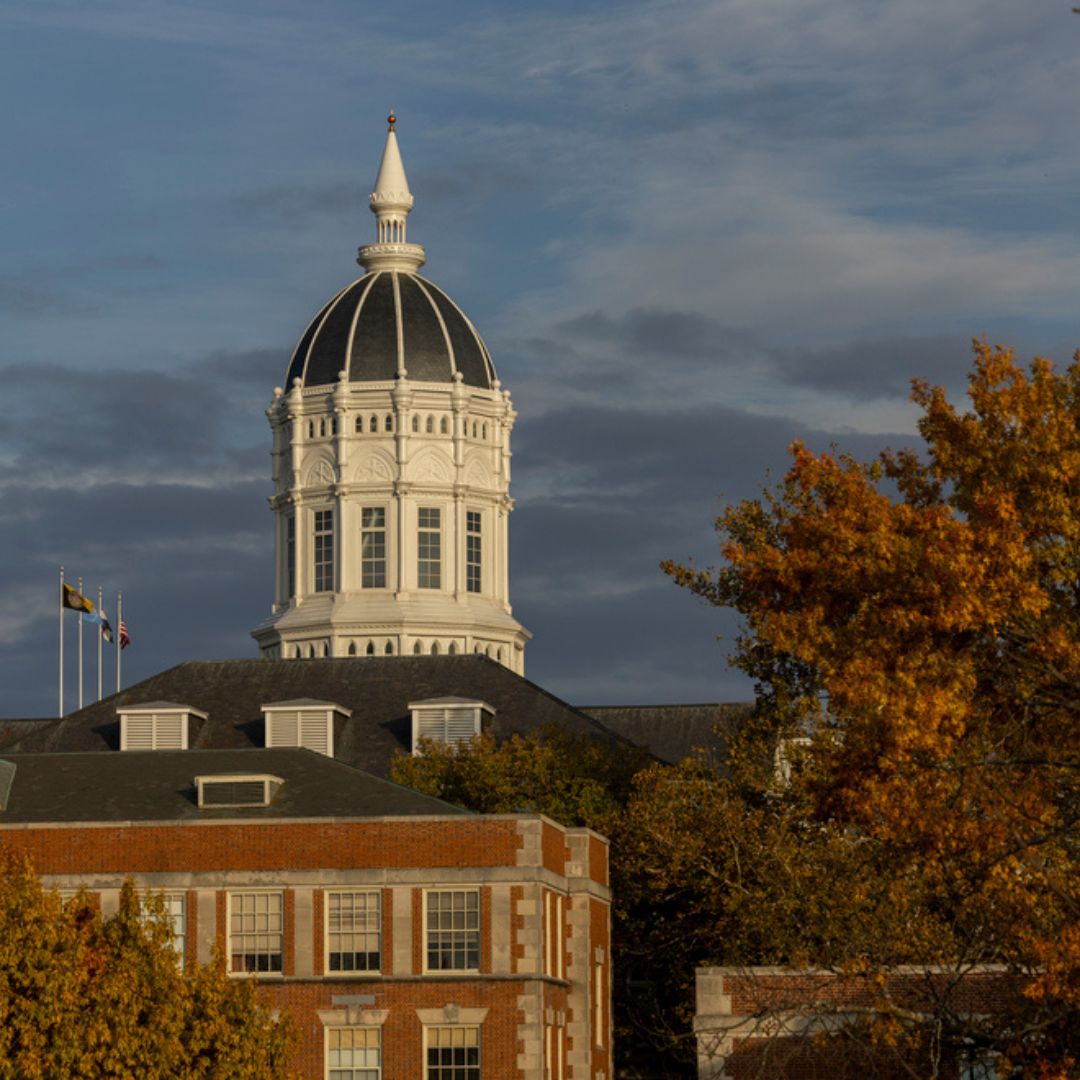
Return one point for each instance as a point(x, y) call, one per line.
point(690, 232)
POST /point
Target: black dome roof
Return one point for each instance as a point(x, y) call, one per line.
point(358, 332)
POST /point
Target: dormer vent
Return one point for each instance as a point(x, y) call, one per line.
point(226, 790)
point(304, 722)
point(447, 720)
point(7, 777)
point(156, 725)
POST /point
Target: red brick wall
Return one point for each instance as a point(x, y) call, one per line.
point(553, 848)
point(403, 1032)
point(270, 845)
point(318, 929)
point(191, 929)
point(388, 932)
point(598, 860)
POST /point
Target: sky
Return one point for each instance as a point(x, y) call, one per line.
point(690, 233)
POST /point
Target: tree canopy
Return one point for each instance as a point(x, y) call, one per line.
point(84, 995)
point(918, 617)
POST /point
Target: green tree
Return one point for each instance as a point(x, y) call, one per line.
point(89, 996)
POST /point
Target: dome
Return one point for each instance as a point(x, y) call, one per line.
point(386, 324)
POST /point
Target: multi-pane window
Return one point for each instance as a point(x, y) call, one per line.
point(290, 553)
point(173, 913)
point(353, 1053)
point(453, 930)
point(472, 550)
point(353, 931)
point(255, 932)
point(429, 548)
point(373, 547)
point(324, 550)
point(453, 1053)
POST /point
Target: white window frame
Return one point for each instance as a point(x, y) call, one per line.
point(316, 534)
point(350, 1072)
point(179, 936)
point(474, 568)
point(156, 715)
point(442, 710)
point(428, 931)
point(231, 898)
point(357, 973)
point(384, 531)
point(423, 563)
point(453, 1072)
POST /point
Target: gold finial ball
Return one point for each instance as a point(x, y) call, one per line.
point(391, 120)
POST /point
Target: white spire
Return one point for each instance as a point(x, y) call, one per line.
point(391, 202)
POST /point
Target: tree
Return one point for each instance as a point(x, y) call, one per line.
point(919, 618)
point(574, 779)
point(84, 995)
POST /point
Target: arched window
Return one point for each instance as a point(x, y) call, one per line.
point(311, 429)
point(434, 648)
point(389, 650)
point(373, 425)
point(299, 654)
point(429, 427)
point(371, 648)
point(311, 652)
point(444, 426)
point(322, 428)
point(487, 652)
point(389, 424)
point(359, 425)
point(478, 648)
point(417, 649)
point(352, 648)
point(474, 429)
point(452, 651)
point(500, 655)
point(416, 424)
point(483, 432)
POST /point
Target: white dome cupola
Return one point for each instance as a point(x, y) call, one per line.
point(391, 465)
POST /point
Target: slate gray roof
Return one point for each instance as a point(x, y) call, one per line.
point(376, 689)
point(358, 332)
point(158, 785)
point(671, 732)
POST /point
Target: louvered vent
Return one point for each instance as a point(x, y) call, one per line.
point(156, 727)
point(235, 790)
point(309, 724)
point(447, 720)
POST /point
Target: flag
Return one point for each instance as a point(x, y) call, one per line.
point(106, 629)
point(72, 598)
point(125, 641)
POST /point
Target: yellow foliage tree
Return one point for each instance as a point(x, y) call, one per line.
point(919, 617)
point(89, 996)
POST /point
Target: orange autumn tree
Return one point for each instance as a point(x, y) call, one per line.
point(85, 995)
point(919, 616)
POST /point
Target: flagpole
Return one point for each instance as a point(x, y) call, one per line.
point(99, 640)
point(60, 680)
point(81, 593)
point(119, 623)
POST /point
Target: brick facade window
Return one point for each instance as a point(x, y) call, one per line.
point(174, 909)
point(453, 1053)
point(353, 1053)
point(353, 931)
point(256, 933)
point(453, 930)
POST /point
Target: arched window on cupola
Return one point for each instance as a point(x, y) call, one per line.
point(487, 652)
point(373, 425)
point(429, 426)
point(322, 428)
point(389, 650)
point(311, 652)
point(444, 426)
point(311, 429)
point(416, 425)
point(478, 648)
point(333, 425)
point(352, 648)
point(474, 429)
point(452, 651)
point(299, 654)
point(359, 425)
point(434, 648)
point(371, 648)
point(417, 649)
point(499, 654)
point(483, 432)
point(389, 424)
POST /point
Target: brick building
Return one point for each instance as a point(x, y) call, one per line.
point(407, 937)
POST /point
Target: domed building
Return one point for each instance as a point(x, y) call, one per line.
point(391, 468)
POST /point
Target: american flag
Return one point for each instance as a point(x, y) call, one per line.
point(125, 640)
